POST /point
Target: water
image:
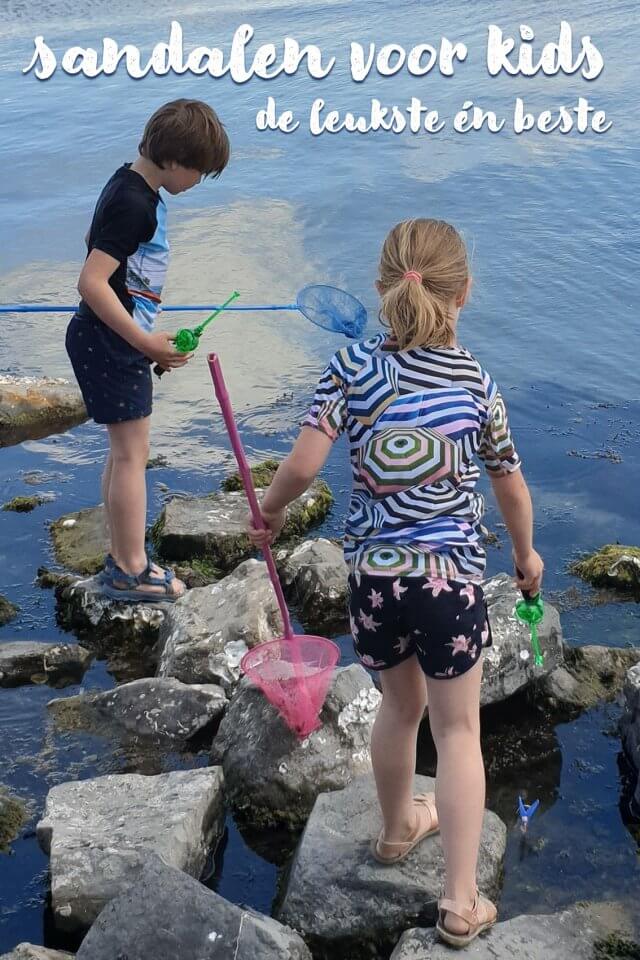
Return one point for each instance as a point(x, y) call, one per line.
point(554, 234)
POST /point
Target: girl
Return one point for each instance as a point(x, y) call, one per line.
point(417, 409)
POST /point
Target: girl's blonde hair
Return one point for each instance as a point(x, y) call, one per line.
point(417, 308)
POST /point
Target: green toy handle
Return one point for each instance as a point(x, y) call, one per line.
point(187, 340)
point(532, 614)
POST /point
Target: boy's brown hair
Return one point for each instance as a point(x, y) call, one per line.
point(187, 132)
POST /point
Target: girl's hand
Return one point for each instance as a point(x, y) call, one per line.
point(274, 523)
point(529, 570)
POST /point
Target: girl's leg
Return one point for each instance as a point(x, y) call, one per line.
point(393, 745)
point(106, 483)
point(454, 716)
point(127, 497)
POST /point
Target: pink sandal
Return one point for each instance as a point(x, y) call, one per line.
point(388, 853)
point(480, 917)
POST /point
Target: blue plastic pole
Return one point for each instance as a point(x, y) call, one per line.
point(177, 308)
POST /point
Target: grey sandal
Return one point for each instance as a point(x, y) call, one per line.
point(130, 592)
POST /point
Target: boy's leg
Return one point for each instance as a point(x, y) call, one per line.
point(454, 716)
point(393, 745)
point(127, 497)
point(106, 483)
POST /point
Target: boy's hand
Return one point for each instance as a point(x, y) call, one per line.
point(274, 523)
point(529, 570)
point(159, 348)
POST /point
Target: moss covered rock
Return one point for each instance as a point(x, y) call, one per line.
point(24, 504)
point(262, 474)
point(80, 540)
point(614, 565)
point(13, 814)
point(8, 611)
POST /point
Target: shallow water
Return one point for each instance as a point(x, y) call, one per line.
point(554, 234)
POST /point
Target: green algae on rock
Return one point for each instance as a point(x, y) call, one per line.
point(13, 815)
point(262, 475)
point(24, 504)
point(8, 611)
point(80, 540)
point(614, 565)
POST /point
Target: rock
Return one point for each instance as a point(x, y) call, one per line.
point(205, 635)
point(26, 661)
point(100, 834)
point(33, 407)
point(345, 904)
point(158, 461)
point(630, 724)
point(575, 933)
point(106, 625)
point(28, 951)
point(508, 664)
point(47, 579)
point(591, 674)
point(213, 527)
point(80, 540)
point(614, 566)
point(316, 574)
point(262, 474)
point(167, 915)
point(25, 504)
point(8, 611)
point(151, 707)
point(272, 777)
point(13, 815)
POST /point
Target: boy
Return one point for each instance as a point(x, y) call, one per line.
point(111, 341)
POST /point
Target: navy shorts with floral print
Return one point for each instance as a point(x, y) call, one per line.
point(443, 622)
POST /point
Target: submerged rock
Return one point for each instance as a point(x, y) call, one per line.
point(80, 540)
point(25, 504)
point(344, 903)
point(262, 474)
point(27, 661)
point(34, 407)
point(151, 707)
point(28, 951)
point(630, 724)
point(271, 776)
point(614, 565)
point(101, 833)
point(213, 527)
point(13, 815)
point(205, 634)
point(509, 663)
point(316, 574)
point(590, 675)
point(167, 915)
point(8, 611)
point(579, 934)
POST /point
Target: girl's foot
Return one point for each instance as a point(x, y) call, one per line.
point(459, 924)
point(426, 824)
point(153, 585)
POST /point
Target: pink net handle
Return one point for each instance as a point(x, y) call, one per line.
point(247, 480)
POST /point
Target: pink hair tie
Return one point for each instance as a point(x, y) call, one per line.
point(412, 275)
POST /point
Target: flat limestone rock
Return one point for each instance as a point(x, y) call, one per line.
point(80, 540)
point(508, 663)
point(27, 661)
point(576, 934)
point(31, 408)
point(204, 635)
point(630, 724)
point(151, 707)
point(28, 951)
point(346, 905)
point(271, 776)
point(213, 527)
point(100, 834)
point(316, 575)
point(167, 915)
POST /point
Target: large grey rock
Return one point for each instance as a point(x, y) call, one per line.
point(167, 916)
point(80, 540)
point(508, 664)
point(581, 933)
point(33, 407)
point(106, 625)
point(100, 833)
point(273, 777)
point(630, 723)
point(27, 661)
point(213, 527)
point(28, 951)
point(205, 634)
point(590, 675)
point(316, 575)
point(151, 707)
point(345, 904)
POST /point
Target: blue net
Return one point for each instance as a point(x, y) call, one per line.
point(333, 309)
